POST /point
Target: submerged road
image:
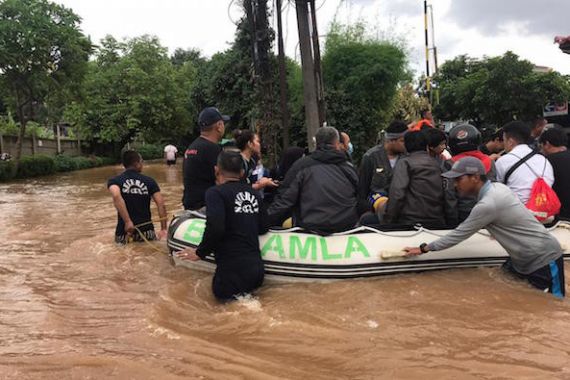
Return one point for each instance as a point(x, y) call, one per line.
point(73, 305)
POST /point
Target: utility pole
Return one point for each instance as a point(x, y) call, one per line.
point(318, 67)
point(283, 91)
point(308, 68)
point(428, 77)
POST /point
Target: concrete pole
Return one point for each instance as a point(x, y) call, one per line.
point(308, 69)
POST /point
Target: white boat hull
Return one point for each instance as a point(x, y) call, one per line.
point(292, 255)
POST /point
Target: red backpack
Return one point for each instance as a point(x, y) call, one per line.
point(543, 201)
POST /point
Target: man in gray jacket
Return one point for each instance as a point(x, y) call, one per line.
point(535, 254)
point(416, 193)
point(319, 190)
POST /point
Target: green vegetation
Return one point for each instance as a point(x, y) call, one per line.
point(133, 91)
point(39, 165)
point(43, 53)
point(361, 75)
point(496, 90)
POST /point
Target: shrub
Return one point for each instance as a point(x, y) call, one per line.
point(6, 170)
point(83, 163)
point(33, 166)
point(150, 152)
point(65, 163)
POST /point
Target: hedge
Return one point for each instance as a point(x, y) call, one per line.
point(150, 152)
point(33, 166)
point(6, 170)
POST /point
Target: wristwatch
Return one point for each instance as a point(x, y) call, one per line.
point(423, 248)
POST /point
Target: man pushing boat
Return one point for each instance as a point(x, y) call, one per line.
point(234, 219)
point(535, 255)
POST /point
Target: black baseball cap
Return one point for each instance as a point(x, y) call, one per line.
point(209, 116)
point(466, 166)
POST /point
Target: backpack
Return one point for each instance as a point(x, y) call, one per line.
point(543, 201)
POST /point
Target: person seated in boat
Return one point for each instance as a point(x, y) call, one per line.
point(319, 189)
point(416, 193)
point(376, 168)
point(249, 146)
point(200, 158)
point(132, 193)
point(464, 141)
point(535, 255)
point(234, 220)
point(437, 145)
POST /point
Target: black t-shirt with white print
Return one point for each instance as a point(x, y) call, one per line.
point(234, 219)
point(137, 191)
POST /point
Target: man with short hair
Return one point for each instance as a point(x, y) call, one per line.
point(377, 165)
point(132, 192)
point(538, 125)
point(234, 220)
point(201, 156)
point(416, 193)
point(535, 254)
point(319, 189)
point(493, 145)
point(553, 143)
point(521, 166)
point(425, 122)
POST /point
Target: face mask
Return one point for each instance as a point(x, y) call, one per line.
point(350, 148)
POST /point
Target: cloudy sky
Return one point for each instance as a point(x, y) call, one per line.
point(474, 27)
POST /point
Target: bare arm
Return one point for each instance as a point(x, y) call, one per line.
point(121, 207)
point(159, 200)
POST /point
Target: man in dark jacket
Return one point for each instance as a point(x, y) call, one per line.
point(319, 189)
point(416, 192)
point(376, 167)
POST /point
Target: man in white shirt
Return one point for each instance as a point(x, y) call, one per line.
point(520, 180)
point(170, 154)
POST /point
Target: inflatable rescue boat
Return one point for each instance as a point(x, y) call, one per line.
point(293, 254)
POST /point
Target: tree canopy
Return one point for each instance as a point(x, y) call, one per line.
point(42, 52)
point(496, 90)
point(361, 78)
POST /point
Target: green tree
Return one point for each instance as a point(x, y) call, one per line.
point(361, 78)
point(496, 90)
point(42, 50)
point(132, 89)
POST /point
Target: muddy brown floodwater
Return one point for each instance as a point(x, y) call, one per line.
point(74, 305)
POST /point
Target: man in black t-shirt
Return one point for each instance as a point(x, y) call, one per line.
point(234, 220)
point(200, 158)
point(132, 193)
point(553, 143)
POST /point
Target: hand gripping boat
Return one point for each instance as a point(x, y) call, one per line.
point(294, 254)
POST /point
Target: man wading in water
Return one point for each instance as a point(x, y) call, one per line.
point(535, 255)
point(132, 193)
point(234, 220)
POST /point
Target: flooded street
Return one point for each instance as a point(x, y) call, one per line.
point(74, 305)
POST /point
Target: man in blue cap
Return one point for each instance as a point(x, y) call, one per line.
point(201, 156)
point(535, 255)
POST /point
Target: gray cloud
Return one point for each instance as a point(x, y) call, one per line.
point(544, 17)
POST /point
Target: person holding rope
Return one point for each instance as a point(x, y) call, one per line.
point(132, 192)
point(235, 218)
point(534, 254)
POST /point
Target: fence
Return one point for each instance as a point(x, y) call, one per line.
point(33, 145)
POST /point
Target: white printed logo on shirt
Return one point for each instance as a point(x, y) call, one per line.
point(134, 186)
point(246, 203)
